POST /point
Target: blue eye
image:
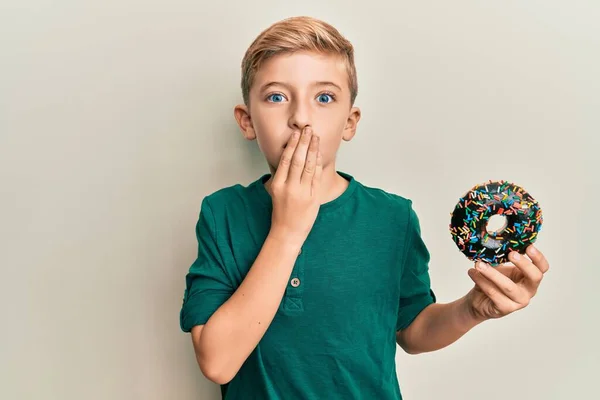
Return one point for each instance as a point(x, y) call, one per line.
point(325, 96)
point(276, 98)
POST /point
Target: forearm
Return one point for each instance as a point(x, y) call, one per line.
point(438, 326)
point(235, 329)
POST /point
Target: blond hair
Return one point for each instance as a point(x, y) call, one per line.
point(297, 34)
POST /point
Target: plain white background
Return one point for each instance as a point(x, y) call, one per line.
point(116, 120)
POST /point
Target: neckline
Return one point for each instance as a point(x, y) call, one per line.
point(265, 197)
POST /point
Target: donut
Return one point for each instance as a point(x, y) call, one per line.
point(474, 216)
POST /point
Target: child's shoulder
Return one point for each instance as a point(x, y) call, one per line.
point(385, 198)
point(225, 194)
point(232, 195)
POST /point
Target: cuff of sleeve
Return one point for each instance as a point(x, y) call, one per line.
point(190, 316)
point(410, 311)
point(197, 312)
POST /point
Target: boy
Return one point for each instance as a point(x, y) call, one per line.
point(306, 279)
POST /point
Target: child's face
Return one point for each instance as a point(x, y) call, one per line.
point(291, 92)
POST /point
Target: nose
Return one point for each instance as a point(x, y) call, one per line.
point(299, 117)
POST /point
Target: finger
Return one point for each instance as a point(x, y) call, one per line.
point(505, 269)
point(299, 157)
point(508, 269)
point(316, 182)
point(532, 274)
point(506, 285)
point(538, 259)
point(501, 302)
point(286, 159)
point(311, 161)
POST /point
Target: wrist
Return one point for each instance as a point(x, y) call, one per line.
point(467, 315)
point(285, 240)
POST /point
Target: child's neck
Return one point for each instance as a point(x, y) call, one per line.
point(332, 185)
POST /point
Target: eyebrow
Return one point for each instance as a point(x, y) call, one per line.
point(318, 83)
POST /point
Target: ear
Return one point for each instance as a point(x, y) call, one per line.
point(351, 124)
point(242, 115)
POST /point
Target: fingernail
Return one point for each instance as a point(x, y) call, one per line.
point(308, 130)
point(515, 255)
point(295, 135)
point(481, 266)
point(532, 250)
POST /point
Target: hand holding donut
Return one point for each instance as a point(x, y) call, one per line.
point(501, 287)
point(506, 288)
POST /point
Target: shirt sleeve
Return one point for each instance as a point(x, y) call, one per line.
point(207, 285)
point(415, 285)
